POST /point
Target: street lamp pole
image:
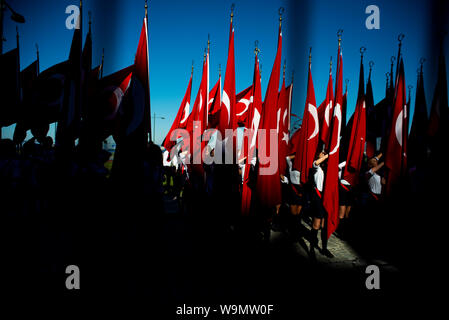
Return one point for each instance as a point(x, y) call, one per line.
point(154, 125)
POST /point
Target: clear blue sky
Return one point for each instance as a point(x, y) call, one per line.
point(178, 34)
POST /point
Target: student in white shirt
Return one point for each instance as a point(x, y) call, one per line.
point(375, 181)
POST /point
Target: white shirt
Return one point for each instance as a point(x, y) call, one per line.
point(318, 177)
point(340, 167)
point(294, 174)
point(374, 182)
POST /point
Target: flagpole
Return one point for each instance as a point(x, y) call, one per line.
point(149, 138)
point(371, 64)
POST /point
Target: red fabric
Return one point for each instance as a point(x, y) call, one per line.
point(227, 112)
point(309, 134)
point(358, 136)
point(254, 112)
point(283, 133)
point(243, 101)
point(214, 105)
point(396, 155)
point(330, 194)
point(180, 121)
point(197, 114)
point(325, 111)
point(269, 186)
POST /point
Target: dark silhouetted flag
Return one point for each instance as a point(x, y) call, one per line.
point(9, 87)
point(439, 116)
point(417, 143)
point(69, 122)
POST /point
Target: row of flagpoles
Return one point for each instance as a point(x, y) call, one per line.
point(322, 128)
point(91, 107)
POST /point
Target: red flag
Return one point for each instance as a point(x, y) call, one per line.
point(283, 132)
point(198, 110)
point(325, 111)
point(227, 112)
point(243, 101)
point(180, 121)
point(254, 112)
point(214, 104)
point(269, 185)
point(308, 134)
point(358, 136)
point(396, 155)
point(330, 195)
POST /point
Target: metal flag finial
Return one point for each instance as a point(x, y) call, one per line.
point(362, 51)
point(146, 9)
point(232, 11)
point(392, 59)
point(330, 65)
point(371, 64)
point(256, 47)
point(281, 12)
point(339, 33)
point(191, 73)
point(421, 62)
point(310, 56)
point(208, 43)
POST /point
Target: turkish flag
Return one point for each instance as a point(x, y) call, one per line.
point(308, 134)
point(283, 132)
point(330, 194)
point(269, 185)
point(214, 105)
point(254, 112)
point(396, 155)
point(242, 105)
point(227, 111)
point(325, 111)
point(358, 135)
point(199, 113)
point(180, 121)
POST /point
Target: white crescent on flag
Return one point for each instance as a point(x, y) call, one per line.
point(201, 101)
point(227, 104)
point(398, 128)
point(186, 113)
point(246, 102)
point(338, 115)
point(255, 126)
point(314, 114)
point(327, 113)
